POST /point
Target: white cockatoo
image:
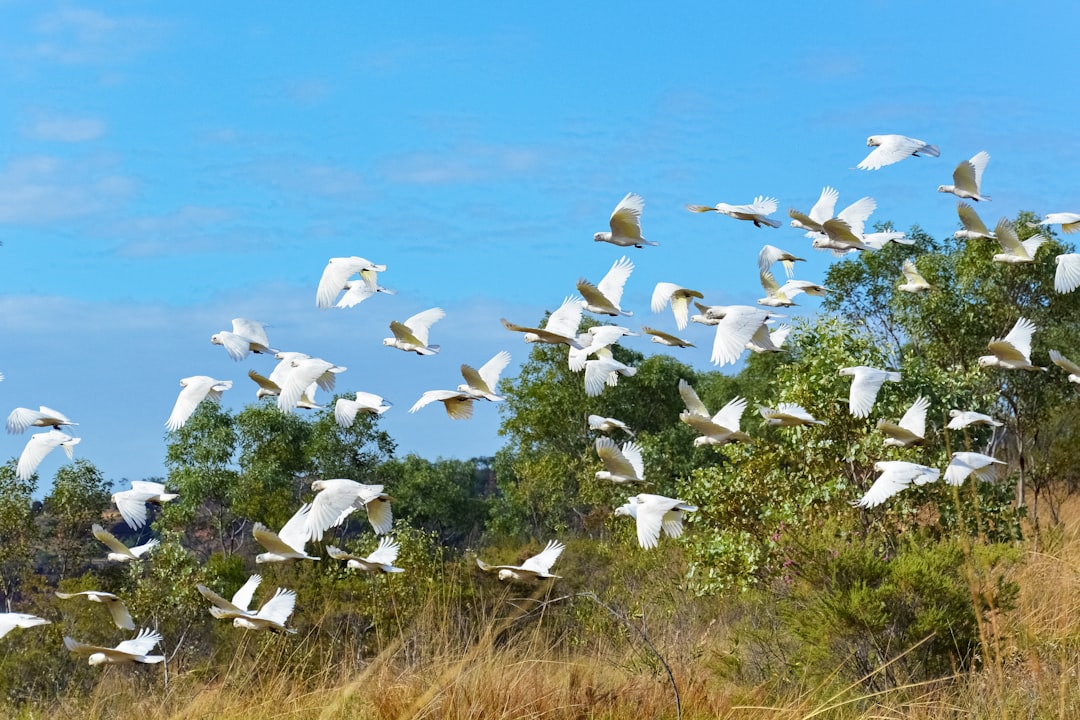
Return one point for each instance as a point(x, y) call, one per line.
point(241, 599)
point(654, 513)
point(1014, 250)
point(963, 464)
point(357, 291)
point(412, 335)
point(22, 418)
point(593, 342)
point(481, 383)
point(604, 297)
point(247, 336)
point(967, 178)
point(38, 446)
point(1067, 365)
point(1069, 222)
point(561, 327)
point(735, 326)
point(963, 418)
point(286, 544)
point(273, 614)
point(896, 475)
point(771, 254)
point(889, 149)
point(306, 372)
point(777, 295)
point(120, 551)
point(662, 338)
point(787, 415)
point(604, 371)
point(608, 424)
point(719, 429)
point(911, 430)
point(679, 298)
point(120, 615)
point(621, 466)
point(1013, 351)
point(864, 387)
point(132, 503)
point(11, 620)
point(346, 409)
point(537, 567)
point(196, 389)
point(458, 404)
point(337, 498)
point(1067, 275)
point(625, 224)
point(822, 211)
point(271, 386)
point(914, 282)
point(337, 273)
point(974, 227)
point(381, 560)
point(756, 212)
point(765, 340)
point(136, 649)
point(878, 240)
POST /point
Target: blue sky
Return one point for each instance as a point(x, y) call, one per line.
point(167, 167)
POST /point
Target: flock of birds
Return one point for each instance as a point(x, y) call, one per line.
point(350, 280)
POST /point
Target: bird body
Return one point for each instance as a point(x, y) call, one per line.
point(458, 404)
point(11, 620)
point(1014, 250)
point(135, 650)
point(286, 544)
point(787, 415)
point(1070, 222)
point(305, 373)
point(381, 560)
point(967, 178)
point(654, 513)
point(770, 254)
point(755, 212)
point(915, 282)
point(679, 298)
point(963, 464)
point(911, 430)
point(38, 446)
point(412, 335)
point(537, 567)
point(663, 338)
point(120, 551)
point(481, 384)
point(196, 389)
point(346, 410)
point(625, 224)
point(337, 498)
point(607, 424)
point(22, 418)
point(336, 274)
point(132, 503)
point(866, 383)
point(120, 615)
point(1012, 352)
point(889, 149)
point(561, 327)
point(963, 418)
point(974, 227)
point(896, 475)
point(735, 326)
point(247, 336)
point(604, 298)
point(1067, 365)
point(621, 466)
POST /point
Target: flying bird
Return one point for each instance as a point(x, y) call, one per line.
point(770, 254)
point(663, 338)
point(889, 149)
point(481, 383)
point(337, 273)
point(604, 371)
point(911, 430)
point(1067, 365)
point(626, 224)
point(135, 650)
point(196, 389)
point(864, 387)
point(896, 475)
point(345, 409)
point(654, 513)
point(765, 340)
point(963, 464)
point(120, 615)
point(777, 295)
point(607, 424)
point(247, 336)
point(679, 298)
point(337, 498)
point(561, 327)
point(967, 178)
point(963, 418)
point(381, 560)
point(1067, 275)
point(120, 551)
point(718, 429)
point(241, 599)
point(132, 503)
point(537, 567)
point(1070, 222)
point(735, 326)
point(1015, 250)
point(1012, 352)
point(306, 373)
point(286, 544)
point(273, 614)
point(787, 415)
point(594, 342)
point(22, 418)
point(357, 291)
point(621, 466)
point(822, 211)
point(974, 227)
point(756, 212)
point(11, 620)
point(458, 404)
point(38, 446)
point(604, 298)
point(914, 281)
point(412, 335)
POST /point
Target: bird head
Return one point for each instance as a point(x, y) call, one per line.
point(98, 659)
point(873, 141)
point(216, 339)
point(532, 337)
point(505, 574)
point(601, 237)
point(318, 485)
point(264, 558)
point(988, 360)
point(943, 188)
point(389, 342)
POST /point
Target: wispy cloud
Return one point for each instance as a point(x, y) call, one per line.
point(293, 175)
point(41, 189)
point(72, 35)
point(68, 129)
point(466, 163)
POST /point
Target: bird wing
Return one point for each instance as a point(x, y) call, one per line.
point(277, 609)
point(794, 411)
point(242, 597)
point(703, 424)
point(890, 482)
point(295, 532)
point(336, 272)
point(734, 331)
point(614, 461)
point(661, 295)
point(336, 497)
point(1006, 236)
point(80, 648)
point(650, 518)
point(140, 550)
point(110, 540)
point(730, 415)
point(971, 220)
point(668, 337)
point(270, 540)
point(37, 447)
point(968, 176)
point(864, 389)
point(252, 330)
point(1017, 344)
point(218, 601)
point(626, 218)
point(1064, 363)
point(264, 382)
point(632, 452)
point(386, 553)
point(911, 273)
point(21, 418)
point(120, 615)
point(194, 391)
point(541, 562)
point(490, 371)
point(856, 214)
point(914, 420)
point(612, 284)
point(449, 397)
point(139, 645)
point(420, 323)
point(10, 621)
point(768, 282)
point(894, 149)
point(825, 206)
point(960, 467)
point(379, 512)
point(132, 507)
point(598, 373)
point(565, 320)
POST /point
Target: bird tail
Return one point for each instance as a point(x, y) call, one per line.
point(929, 151)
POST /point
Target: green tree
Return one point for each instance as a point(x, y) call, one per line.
point(80, 495)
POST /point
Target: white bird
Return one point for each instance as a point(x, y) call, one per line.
point(305, 373)
point(247, 336)
point(286, 544)
point(136, 649)
point(22, 418)
point(1070, 222)
point(594, 342)
point(755, 212)
point(241, 599)
point(678, 297)
point(654, 513)
point(896, 475)
point(11, 620)
point(196, 389)
point(911, 430)
point(878, 240)
point(764, 340)
point(38, 446)
point(663, 338)
point(607, 424)
point(357, 291)
point(864, 387)
point(381, 560)
point(822, 211)
point(626, 224)
point(967, 178)
point(272, 615)
point(1067, 275)
point(337, 498)
point(1013, 351)
point(889, 149)
point(335, 275)
point(604, 298)
point(458, 404)
point(132, 503)
point(914, 281)
point(1015, 251)
point(966, 463)
point(777, 295)
point(604, 370)
point(735, 327)
point(120, 551)
point(621, 466)
point(120, 615)
point(1067, 365)
point(787, 415)
point(412, 335)
point(535, 568)
point(270, 388)
point(719, 429)
point(345, 410)
point(561, 327)
point(481, 383)
point(963, 418)
point(770, 254)
point(844, 232)
point(974, 227)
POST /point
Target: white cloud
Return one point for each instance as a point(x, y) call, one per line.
point(72, 35)
point(467, 163)
point(65, 129)
point(40, 189)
